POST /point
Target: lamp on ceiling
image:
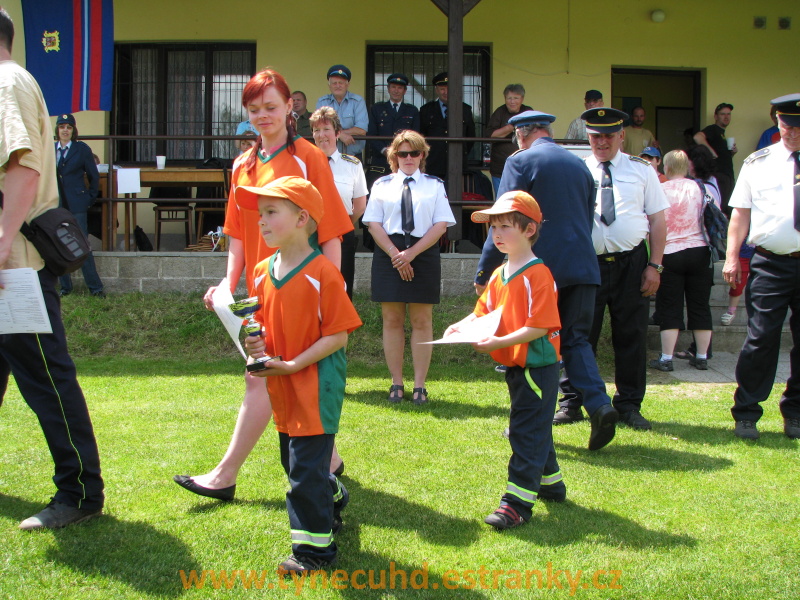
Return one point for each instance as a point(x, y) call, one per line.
point(658, 16)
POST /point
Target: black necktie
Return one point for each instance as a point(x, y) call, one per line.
point(407, 212)
point(396, 108)
point(607, 213)
point(62, 153)
point(796, 186)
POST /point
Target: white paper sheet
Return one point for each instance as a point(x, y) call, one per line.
point(222, 299)
point(128, 181)
point(22, 308)
point(474, 331)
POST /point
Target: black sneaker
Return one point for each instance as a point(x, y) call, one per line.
point(101, 294)
point(556, 492)
point(64, 293)
point(791, 427)
point(661, 365)
point(565, 416)
point(303, 564)
point(746, 430)
point(635, 420)
point(701, 364)
point(505, 517)
point(57, 515)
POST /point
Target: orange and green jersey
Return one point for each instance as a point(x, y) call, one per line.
point(307, 162)
point(529, 299)
point(308, 303)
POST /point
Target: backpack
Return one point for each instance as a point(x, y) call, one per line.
point(714, 225)
point(59, 240)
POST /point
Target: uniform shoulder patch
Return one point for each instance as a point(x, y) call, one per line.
point(433, 177)
point(351, 159)
point(639, 160)
point(384, 179)
point(756, 155)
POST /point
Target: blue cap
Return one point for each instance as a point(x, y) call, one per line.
point(531, 117)
point(604, 120)
point(339, 71)
point(245, 126)
point(651, 151)
point(788, 109)
point(398, 78)
point(68, 119)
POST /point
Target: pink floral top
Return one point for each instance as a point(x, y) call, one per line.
point(683, 215)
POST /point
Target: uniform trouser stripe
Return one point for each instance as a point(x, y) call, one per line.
point(320, 540)
point(526, 495)
point(551, 479)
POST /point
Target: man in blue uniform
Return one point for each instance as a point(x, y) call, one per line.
point(433, 122)
point(766, 202)
point(564, 189)
point(351, 108)
point(387, 118)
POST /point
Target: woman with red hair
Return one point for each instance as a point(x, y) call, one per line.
point(279, 152)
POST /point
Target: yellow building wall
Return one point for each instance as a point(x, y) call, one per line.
point(557, 50)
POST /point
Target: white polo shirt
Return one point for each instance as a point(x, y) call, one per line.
point(348, 175)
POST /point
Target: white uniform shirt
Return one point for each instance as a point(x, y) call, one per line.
point(428, 197)
point(348, 175)
point(765, 187)
point(637, 194)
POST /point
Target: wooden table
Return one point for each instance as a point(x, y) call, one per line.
point(151, 177)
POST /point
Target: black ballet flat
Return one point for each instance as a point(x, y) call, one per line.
point(185, 481)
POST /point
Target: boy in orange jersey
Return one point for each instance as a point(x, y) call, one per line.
point(306, 318)
point(527, 342)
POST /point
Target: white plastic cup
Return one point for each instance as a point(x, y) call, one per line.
point(731, 142)
point(161, 162)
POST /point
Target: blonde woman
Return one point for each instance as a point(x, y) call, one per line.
point(408, 212)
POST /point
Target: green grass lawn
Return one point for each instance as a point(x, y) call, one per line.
point(684, 511)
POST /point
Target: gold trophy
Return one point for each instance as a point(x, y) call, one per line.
point(246, 309)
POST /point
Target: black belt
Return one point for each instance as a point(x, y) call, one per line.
point(766, 252)
point(614, 256)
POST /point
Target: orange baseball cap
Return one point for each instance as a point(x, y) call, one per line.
point(294, 189)
point(517, 201)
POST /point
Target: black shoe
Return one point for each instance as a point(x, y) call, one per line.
point(303, 564)
point(791, 427)
point(604, 426)
point(556, 492)
point(565, 415)
point(701, 364)
point(746, 430)
point(505, 517)
point(635, 420)
point(57, 515)
point(185, 481)
point(661, 365)
point(419, 396)
point(64, 293)
point(101, 294)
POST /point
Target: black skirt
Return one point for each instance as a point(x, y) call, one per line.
point(424, 288)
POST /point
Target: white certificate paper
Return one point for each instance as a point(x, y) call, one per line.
point(22, 308)
point(128, 181)
point(222, 300)
point(474, 331)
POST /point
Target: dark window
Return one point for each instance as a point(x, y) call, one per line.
point(179, 89)
point(420, 64)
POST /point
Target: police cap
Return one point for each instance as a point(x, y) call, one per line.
point(68, 119)
point(339, 71)
point(603, 120)
point(398, 78)
point(788, 109)
point(440, 79)
point(531, 117)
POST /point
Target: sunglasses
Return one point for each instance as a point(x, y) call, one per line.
point(411, 153)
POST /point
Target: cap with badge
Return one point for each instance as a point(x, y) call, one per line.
point(651, 151)
point(593, 95)
point(531, 117)
point(398, 78)
point(723, 105)
point(65, 119)
point(516, 201)
point(294, 189)
point(604, 120)
point(339, 71)
point(440, 79)
point(788, 109)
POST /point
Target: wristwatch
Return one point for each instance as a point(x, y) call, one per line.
point(658, 268)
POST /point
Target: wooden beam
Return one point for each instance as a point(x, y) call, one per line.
point(466, 6)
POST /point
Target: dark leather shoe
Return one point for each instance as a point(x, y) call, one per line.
point(746, 430)
point(635, 420)
point(185, 481)
point(57, 515)
point(604, 426)
point(565, 415)
point(791, 427)
point(556, 492)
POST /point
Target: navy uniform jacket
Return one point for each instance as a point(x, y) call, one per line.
point(564, 189)
point(432, 123)
point(72, 189)
point(384, 121)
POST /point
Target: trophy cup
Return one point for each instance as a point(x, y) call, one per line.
point(246, 309)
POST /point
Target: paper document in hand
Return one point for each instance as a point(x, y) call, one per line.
point(22, 308)
point(222, 299)
point(474, 331)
